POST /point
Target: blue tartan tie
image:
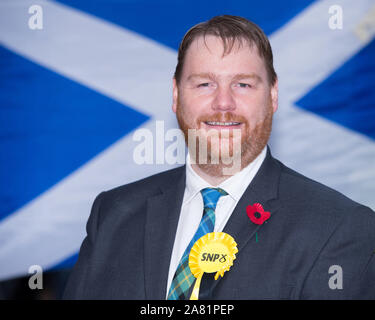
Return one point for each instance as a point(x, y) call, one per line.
point(183, 278)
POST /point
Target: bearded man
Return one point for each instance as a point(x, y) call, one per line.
point(296, 238)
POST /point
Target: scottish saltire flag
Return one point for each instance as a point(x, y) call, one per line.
point(79, 78)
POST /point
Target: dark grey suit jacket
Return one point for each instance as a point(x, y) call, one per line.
point(131, 231)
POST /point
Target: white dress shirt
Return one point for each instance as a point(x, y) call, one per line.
point(192, 205)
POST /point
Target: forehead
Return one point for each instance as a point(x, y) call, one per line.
point(206, 54)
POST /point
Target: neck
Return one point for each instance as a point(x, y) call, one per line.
point(205, 174)
point(214, 173)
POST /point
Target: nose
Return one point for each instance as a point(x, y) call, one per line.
point(223, 99)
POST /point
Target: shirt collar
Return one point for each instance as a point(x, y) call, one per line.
point(235, 185)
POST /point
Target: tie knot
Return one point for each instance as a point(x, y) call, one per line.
point(211, 196)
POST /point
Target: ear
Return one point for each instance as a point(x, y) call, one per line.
point(275, 96)
point(175, 95)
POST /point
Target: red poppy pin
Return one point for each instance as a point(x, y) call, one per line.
point(257, 214)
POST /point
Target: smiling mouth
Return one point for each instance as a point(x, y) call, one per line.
point(222, 124)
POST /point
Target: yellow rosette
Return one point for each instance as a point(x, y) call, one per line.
point(214, 252)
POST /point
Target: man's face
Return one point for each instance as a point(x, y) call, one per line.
point(230, 92)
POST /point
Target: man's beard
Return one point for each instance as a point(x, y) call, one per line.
point(252, 141)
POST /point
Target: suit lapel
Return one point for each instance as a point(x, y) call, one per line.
point(163, 212)
point(264, 190)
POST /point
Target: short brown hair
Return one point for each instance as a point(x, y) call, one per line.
point(229, 29)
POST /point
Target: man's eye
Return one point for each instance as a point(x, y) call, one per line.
point(206, 84)
point(244, 85)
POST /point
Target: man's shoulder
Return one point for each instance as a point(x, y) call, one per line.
point(322, 212)
point(295, 189)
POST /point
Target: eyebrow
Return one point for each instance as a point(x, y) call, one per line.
point(208, 75)
point(239, 76)
point(242, 76)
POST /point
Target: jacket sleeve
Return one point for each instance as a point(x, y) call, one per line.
point(75, 288)
point(366, 288)
point(350, 252)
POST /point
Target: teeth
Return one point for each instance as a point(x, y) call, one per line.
point(216, 123)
